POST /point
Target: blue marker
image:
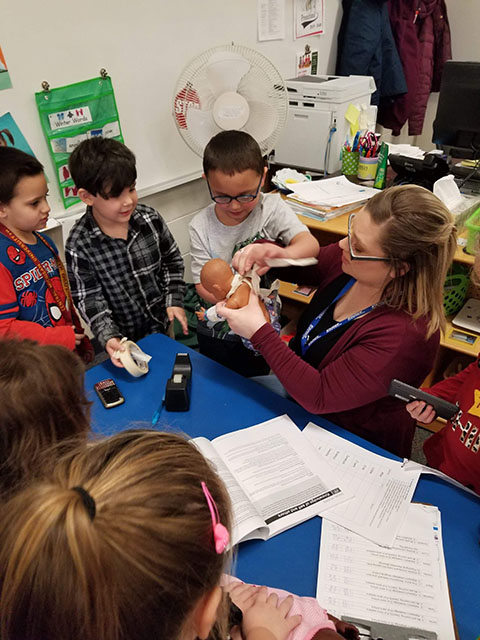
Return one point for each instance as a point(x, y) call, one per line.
point(156, 415)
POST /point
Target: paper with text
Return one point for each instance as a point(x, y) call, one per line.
point(405, 586)
point(382, 489)
point(275, 469)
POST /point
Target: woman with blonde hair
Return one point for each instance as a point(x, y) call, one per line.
point(375, 316)
point(42, 403)
point(126, 540)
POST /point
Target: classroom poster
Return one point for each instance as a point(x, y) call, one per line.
point(307, 63)
point(271, 19)
point(5, 80)
point(74, 113)
point(309, 18)
point(11, 136)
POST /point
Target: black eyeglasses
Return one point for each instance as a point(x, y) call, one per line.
point(353, 256)
point(245, 198)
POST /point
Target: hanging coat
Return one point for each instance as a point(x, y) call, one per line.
point(366, 47)
point(422, 36)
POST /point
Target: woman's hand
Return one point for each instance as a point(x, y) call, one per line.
point(257, 253)
point(245, 321)
point(421, 411)
point(268, 619)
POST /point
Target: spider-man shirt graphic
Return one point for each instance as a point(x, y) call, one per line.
point(24, 295)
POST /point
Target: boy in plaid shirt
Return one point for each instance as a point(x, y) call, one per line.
point(125, 268)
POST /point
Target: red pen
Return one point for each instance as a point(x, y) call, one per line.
point(417, 11)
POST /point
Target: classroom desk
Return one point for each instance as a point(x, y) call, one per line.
point(222, 401)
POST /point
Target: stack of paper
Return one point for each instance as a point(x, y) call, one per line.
point(405, 586)
point(382, 488)
point(329, 197)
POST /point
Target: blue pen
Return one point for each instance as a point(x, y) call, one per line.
point(156, 415)
point(355, 141)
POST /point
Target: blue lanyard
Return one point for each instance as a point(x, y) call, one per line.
point(306, 342)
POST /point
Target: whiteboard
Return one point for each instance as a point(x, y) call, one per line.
point(144, 46)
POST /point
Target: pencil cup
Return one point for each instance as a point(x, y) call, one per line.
point(350, 162)
point(367, 168)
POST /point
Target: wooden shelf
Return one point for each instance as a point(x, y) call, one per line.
point(287, 291)
point(449, 340)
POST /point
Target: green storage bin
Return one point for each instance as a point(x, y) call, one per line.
point(473, 226)
point(455, 290)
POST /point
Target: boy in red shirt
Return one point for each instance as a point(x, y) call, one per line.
point(35, 298)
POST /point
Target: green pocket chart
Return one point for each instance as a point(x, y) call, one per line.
point(71, 114)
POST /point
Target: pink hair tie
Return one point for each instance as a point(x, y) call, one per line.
point(221, 536)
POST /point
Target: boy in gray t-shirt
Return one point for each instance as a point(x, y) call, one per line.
point(240, 217)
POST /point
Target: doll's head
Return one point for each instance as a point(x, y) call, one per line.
point(216, 276)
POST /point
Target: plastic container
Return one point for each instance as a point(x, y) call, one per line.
point(473, 226)
point(367, 168)
point(350, 162)
point(455, 292)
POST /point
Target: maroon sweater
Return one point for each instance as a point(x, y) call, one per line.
point(350, 386)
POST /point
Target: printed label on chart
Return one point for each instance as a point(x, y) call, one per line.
point(69, 118)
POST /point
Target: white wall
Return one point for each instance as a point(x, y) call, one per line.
point(178, 204)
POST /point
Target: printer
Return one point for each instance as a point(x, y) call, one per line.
point(316, 127)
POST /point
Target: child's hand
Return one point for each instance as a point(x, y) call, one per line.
point(256, 253)
point(242, 595)
point(179, 314)
point(421, 411)
point(245, 321)
point(111, 347)
point(79, 336)
point(345, 629)
point(200, 314)
point(267, 619)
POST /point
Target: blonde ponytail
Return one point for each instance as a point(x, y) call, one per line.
point(136, 568)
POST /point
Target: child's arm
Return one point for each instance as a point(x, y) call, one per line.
point(88, 296)
point(447, 389)
point(12, 327)
point(303, 245)
point(173, 268)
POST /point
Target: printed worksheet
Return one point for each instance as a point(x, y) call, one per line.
point(403, 586)
point(382, 489)
point(273, 477)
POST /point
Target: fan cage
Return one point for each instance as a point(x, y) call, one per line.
point(262, 82)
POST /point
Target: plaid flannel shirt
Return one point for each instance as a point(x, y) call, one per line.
point(123, 287)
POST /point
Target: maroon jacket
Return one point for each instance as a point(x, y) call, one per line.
point(350, 387)
point(424, 45)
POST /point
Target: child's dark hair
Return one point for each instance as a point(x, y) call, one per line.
point(104, 166)
point(233, 152)
point(42, 403)
point(15, 165)
point(116, 543)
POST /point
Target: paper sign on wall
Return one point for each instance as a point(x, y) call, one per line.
point(74, 113)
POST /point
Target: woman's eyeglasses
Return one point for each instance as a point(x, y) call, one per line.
point(245, 198)
point(353, 255)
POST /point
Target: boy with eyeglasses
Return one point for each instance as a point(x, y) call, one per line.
point(243, 221)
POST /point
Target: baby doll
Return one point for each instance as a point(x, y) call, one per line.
point(217, 278)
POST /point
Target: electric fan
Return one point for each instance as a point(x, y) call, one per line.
point(230, 87)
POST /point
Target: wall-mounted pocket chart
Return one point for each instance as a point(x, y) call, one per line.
point(71, 114)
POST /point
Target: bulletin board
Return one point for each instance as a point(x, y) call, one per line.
point(144, 46)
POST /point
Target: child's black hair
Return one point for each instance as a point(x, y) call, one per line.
point(233, 152)
point(15, 165)
point(104, 166)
